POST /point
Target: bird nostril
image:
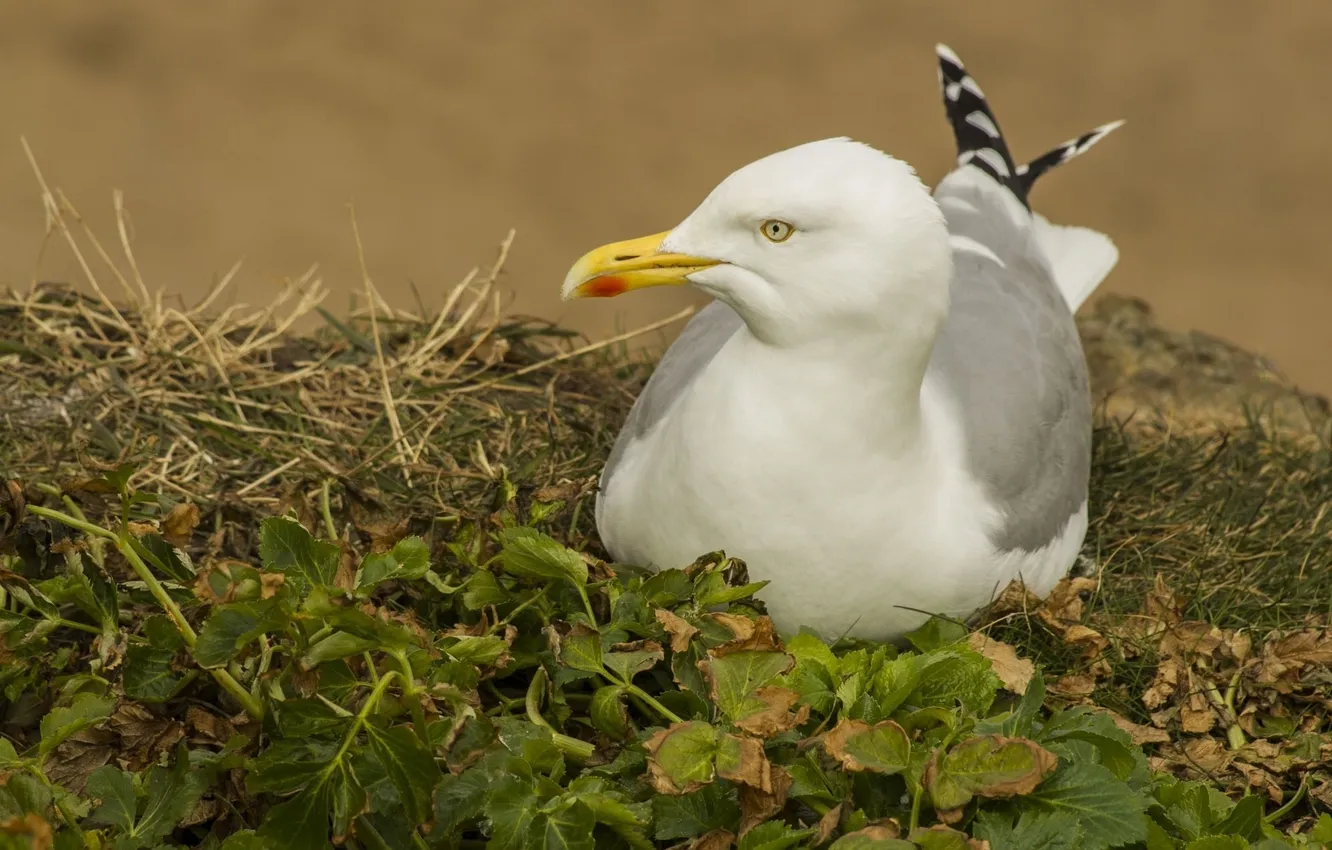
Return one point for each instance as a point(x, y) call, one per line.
point(620, 258)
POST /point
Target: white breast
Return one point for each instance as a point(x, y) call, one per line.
point(850, 513)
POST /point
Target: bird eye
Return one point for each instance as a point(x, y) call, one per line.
point(775, 230)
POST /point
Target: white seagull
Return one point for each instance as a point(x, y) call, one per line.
point(885, 410)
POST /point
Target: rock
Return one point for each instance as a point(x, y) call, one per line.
point(1146, 375)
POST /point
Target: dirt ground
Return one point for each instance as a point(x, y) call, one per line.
point(243, 129)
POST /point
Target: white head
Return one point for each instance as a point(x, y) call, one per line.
point(815, 241)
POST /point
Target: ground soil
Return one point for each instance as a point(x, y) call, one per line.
point(242, 129)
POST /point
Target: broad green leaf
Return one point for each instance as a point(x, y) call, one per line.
point(289, 765)
point(230, 628)
point(691, 815)
point(86, 710)
point(483, 589)
point(882, 748)
point(409, 559)
point(773, 835)
point(629, 663)
point(1245, 820)
point(409, 765)
point(807, 646)
point(734, 679)
point(567, 828)
point(1218, 842)
point(1114, 749)
point(962, 677)
point(170, 794)
point(936, 633)
point(680, 758)
point(149, 675)
point(608, 712)
point(476, 649)
point(613, 811)
point(459, 799)
point(302, 822)
point(118, 801)
point(1032, 831)
point(246, 839)
point(667, 588)
point(1019, 723)
point(528, 553)
point(336, 645)
point(987, 766)
point(171, 561)
point(1111, 813)
point(308, 718)
point(711, 589)
point(510, 808)
point(940, 838)
point(581, 649)
point(285, 546)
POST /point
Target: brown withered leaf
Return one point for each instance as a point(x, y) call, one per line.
point(180, 523)
point(681, 757)
point(1190, 640)
point(270, 584)
point(143, 735)
point(1074, 686)
point(384, 534)
point(140, 528)
point(828, 824)
point(81, 754)
point(680, 630)
point(757, 635)
point(777, 717)
point(1064, 606)
point(1163, 604)
point(1016, 598)
point(743, 761)
point(1137, 732)
point(1163, 686)
point(39, 832)
point(1093, 643)
point(757, 805)
point(345, 578)
point(1014, 672)
point(717, 839)
point(877, 832)
point(208, 727)
point(1195, 713)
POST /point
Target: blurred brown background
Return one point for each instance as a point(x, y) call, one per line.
point(243, 128)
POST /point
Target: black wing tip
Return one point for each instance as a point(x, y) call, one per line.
point(979, 139)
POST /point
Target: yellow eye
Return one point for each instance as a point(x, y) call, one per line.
point(775, 230)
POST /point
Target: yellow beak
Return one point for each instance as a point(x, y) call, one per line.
point(632, 264)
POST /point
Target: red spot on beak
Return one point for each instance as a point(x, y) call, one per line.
point(605, 286)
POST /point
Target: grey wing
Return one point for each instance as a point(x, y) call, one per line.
point(1010, 357)
point(691, 352)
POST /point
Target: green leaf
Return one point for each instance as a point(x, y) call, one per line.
point(569, 827)
point(408, 560)
point(171, 793)
point(986, 766)
point(711, 589)
point(171, 561)
point(629, 663)
point(936, 633)
point(1033, 831)
point(246, 839)
point(528, 553)
point(336, 645)
point(149, 674)
point(735, 678)
point(231, 628)
point(1111, 813)
point(581, 649)
point(773, 835)
point(410, 766)
point(1245, 820)
point(667, 588)
point(691, 815)
point(302, 822)
point(286, 546)
point(963, 677)
point(289, 765)
point(608, 712)
point(1019, 723)
point(119, 802)
point(483, 589)
point(680, 758)
point(85, 710)
point(1218, 842)
point(882, 748)
point(510, 809)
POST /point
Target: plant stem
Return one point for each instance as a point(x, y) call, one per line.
point(251, 705)
point(410, 693)
point(587, 605)
point(652, 701)
point(361, 716)
point(570, 746)
point(327, 511)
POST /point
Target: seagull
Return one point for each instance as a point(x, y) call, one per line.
point(885, 409)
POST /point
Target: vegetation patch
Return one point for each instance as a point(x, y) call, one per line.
point(266, 589)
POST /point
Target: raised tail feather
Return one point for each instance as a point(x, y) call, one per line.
point(1028, 173)
point(979, 140)
point(1079, 258)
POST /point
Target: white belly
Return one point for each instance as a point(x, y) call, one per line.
point(853, 530)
